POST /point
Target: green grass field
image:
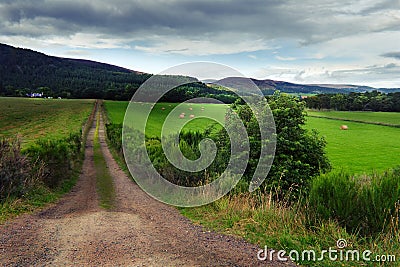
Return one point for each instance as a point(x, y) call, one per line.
point(32, 119)
point(389, 118)
point(116, 112)
point(362, 148)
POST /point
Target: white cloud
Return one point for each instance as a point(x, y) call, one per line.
point(285, 58)
point(222, 44)
point(77, 53)
point(387, 75)
point(88, 40)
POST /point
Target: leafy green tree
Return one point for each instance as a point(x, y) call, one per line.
point(300, 154)
point(338, 102)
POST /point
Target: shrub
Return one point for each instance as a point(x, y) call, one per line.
point(59, 157)
point(15, 169)
point(299, 155)
point(188, 145)
point(114, 135)
point(364, 204)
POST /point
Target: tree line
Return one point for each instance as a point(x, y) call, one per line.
point(368, 101)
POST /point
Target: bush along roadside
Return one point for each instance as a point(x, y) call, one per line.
point(114, 140)
point(33, 176)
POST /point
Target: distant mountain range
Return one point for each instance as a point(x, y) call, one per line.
point(23, 71)
point(270, 86)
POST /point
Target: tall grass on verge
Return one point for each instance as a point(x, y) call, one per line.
point(266, 220)
point(17, 171)
point(362, 204)
point(114, 136)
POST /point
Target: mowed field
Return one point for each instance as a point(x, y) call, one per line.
point(388, 118)
point(32, 119)
point(116, 111)
point(364, 147)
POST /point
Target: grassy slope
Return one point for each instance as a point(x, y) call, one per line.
point(116, 112)
point(362, 148)
point(42, 118)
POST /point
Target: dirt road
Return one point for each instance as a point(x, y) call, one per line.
point(139, 231)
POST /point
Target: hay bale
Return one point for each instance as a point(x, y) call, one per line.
point(344, 127)
point(190, 108)
point(191, 116)
point(162, 108)
point(181, 116)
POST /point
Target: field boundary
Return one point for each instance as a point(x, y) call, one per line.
point(358, 121)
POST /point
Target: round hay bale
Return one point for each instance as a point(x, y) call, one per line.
point(162, 108)
point(191, 116)
point(190, 108)
point(181, 116)
point(344, 127)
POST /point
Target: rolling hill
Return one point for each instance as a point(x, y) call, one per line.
point(24, 71)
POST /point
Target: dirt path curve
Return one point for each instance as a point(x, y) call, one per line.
point(139, 231)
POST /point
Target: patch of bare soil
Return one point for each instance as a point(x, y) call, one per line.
point(139, 231)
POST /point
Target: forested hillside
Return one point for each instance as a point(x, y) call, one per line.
point(24, 71)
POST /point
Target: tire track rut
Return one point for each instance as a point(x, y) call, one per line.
point(139, 231)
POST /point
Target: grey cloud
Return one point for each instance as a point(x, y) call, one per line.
point(381, 6)
point(395, 55)
point(180, 17)
point(374, 73)
point(390, 66)
point(306, 22)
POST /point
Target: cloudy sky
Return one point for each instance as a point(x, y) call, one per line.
point(308, 41)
